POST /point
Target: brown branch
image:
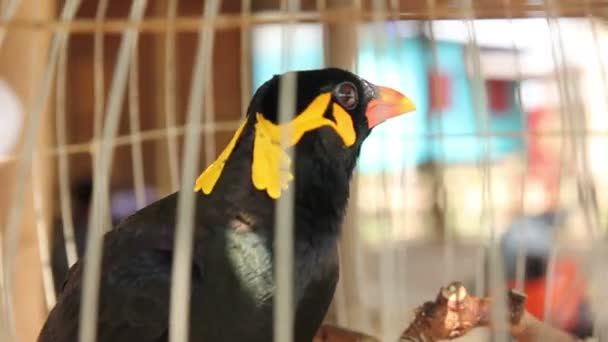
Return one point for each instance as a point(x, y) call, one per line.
point(453, 314)
point(531, 329)
point(330, 333)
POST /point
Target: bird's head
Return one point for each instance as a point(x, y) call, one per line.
point(335, 111)
point(332, 96)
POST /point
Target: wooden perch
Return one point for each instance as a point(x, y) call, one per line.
point(453, 314)
point(329, 333)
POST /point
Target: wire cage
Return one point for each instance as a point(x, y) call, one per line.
point(498, 178)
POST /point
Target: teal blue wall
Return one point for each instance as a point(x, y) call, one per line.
point(401, 66)
point(459, 123)
point(403, 141)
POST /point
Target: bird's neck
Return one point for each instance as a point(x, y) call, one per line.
point(322, 190)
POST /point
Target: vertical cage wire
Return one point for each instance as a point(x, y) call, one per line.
point(590, 196)
point(246, 57)
point(98, 68)
point(361, 267)
point(585, 181)
point(565, 142)
point(399, 221)
point(170, 94)
point(597, 257)
point(520, 271)
point(63, 164)
point(440, 189)
point(480, 105)
point(284, 236)
point(99, 87)
point(137, 157)
point(7, 12)
point(338, 39)
point(601, 63)
point(99, 91)
point(572, 136)
point(284, 312)
point(209, 112)
point(40, 213)
point(182, 256)
point(11, 228)
point(385, 48)
point(103, 162)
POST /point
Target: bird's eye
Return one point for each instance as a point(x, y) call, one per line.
point(346, 94)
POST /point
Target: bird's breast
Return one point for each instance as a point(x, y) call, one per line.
point(251, 256)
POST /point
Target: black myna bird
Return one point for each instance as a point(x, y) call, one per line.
point(232, 274)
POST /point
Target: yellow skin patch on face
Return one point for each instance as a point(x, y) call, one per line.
point(206, 181)
point(270, 168)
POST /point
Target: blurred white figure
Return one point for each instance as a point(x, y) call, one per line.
point(11, 119)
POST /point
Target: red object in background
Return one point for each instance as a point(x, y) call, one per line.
point(543, 163)
point(536, 156)
point(499, 96)
point(439, 91)
point(568, 292)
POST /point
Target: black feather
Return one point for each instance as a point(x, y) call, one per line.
point(232, 274)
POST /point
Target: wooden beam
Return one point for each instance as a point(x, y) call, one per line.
point(266, 11)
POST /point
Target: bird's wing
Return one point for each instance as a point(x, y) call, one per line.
point(133, 301)
point(135, 282)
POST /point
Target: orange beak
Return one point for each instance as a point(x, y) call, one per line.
point(387, 104)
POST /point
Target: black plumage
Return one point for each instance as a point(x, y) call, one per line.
point(232, 262)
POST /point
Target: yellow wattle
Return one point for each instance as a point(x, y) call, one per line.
point(270, 167)
point(344, 125)
point(207, 180)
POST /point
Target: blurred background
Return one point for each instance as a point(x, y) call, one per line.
point(506, 153)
